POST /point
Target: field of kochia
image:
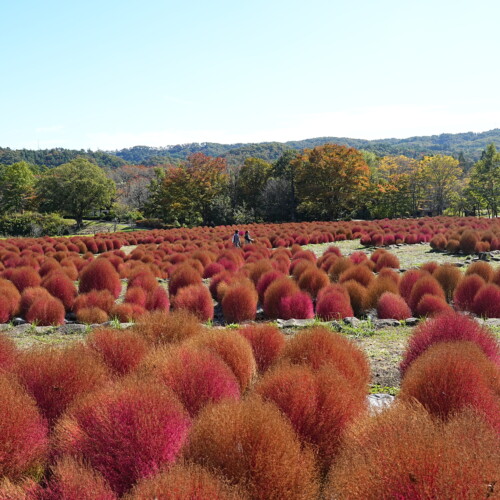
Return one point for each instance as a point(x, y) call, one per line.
point(177, 408)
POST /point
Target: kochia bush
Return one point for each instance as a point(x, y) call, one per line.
point(100, 275)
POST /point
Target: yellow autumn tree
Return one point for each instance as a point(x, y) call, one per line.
point(330, 181)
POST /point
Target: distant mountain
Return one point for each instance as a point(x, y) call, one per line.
point(468, 145)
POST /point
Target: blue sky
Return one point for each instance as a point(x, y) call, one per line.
point(109, 74)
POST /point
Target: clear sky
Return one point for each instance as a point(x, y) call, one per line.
point(108, 74)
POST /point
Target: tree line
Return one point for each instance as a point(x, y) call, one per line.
point(326, 182)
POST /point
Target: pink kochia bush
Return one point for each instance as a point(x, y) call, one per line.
point(392, 306)
point(298, 305)
point(197, 376)
point(487, 301)
point(100, 275)
point(126, 431)
point(449, 327)
point(23, 431)
point(333, 304)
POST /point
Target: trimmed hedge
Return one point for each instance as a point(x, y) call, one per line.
point(33, 224)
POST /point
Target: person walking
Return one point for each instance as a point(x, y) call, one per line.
point(236, 239)
point(247, 237)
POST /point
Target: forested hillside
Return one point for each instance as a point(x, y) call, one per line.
point(469, 144)
point(465, 146)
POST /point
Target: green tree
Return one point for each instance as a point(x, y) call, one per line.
point(284, 169)
point(250, 182)
point(440, 175)
point(485, 179)
point(17, 183)
point(76, 188)
point(331, 181)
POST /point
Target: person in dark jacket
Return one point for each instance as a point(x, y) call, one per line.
point(236, 239)
point(247, 237)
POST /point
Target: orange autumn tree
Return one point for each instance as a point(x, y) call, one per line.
point(183, 194)
point(330, 181)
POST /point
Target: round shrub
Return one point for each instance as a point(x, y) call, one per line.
point(234, 350)
point(73, 480)
point(46, 311)
point(318, 346)
point(451, 376)
point(185, 275)
point(298, 305)
point(466, 290)
point(30, 295)
point(61, 287)
point(197, 376)
point(24, 277)
point(318, 409)
point(468, 241)
point(339, 266)
point(23, 432)
point(197, 300)
point(376, 289)
point(407, 281)
point(357, 296)
point(120, 350)
point(482, 269)
point(448, 328)
point(265, 280)
point(312, 280)
point(487, 301)
point(186, 482)
point(278, 289)
point(359, 273)
point(157, 300)
point(126, 312)
point(126, 431)
point(103, 299)
point(136, 295)
point(392, 306)
point(8, 353)
point(333, 305)
point(425, 285)
point(387, 260)
point(255, 447)
point(91, 315)
point(55, 377)
point(267, 343)
point(403, 453)
point(430, 305)
point(100, 275)
point(160, 327)
point(240, 303)
point(449, 277)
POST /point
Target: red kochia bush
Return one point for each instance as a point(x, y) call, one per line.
point(197, 300)
point(23, 432)
point(103, 299)
point(451, 376)
point(448, 328)
point(278, 289)
point(91, 315)
point(482, 269)
point(23, 277)
point(425, 285)
point(240, 303)
point(126, 313)
point(487, 301)
point(126, 431)
point(333, 305)
point(61, 287)
point(466, 290)
point(157, 299)
point(186, 482)
point(46, 311)
point(402, 453)
point(468, 241)
point(449, 277)
point(24, 490)
point(265, 280)
point(120, 350)
point(359, 273)
point(136, 295)
point(387, 260)
point(183, 276)
point(197, 376)
point(267, 343)
point(8, 353)
point(29, 296)
point(100, 275)
point(74, 480)
point(55, 377)
point(430, 305)
point(233, 349)
point(319, 346)
point(254, 447)
point(408, 279)
point(392, 306)
point(357, 295)
point(318, 413)
point(298, 305)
